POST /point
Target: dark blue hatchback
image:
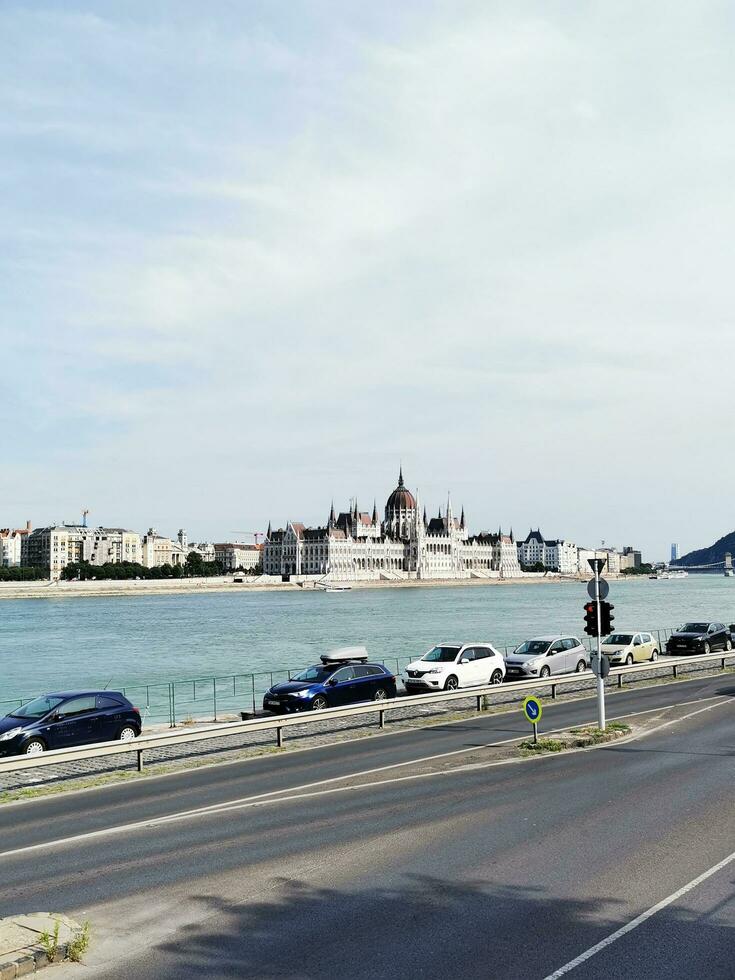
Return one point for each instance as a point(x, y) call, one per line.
point(67, 718)
point(330, 684)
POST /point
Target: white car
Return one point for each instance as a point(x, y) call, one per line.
point(451, 665)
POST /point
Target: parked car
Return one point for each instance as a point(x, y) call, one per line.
point(629, 648)
point(449, 666)
point(67, 718)
point(699, 638)
point(343, 677)
point(546, 655)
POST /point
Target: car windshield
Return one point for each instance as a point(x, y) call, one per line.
point(316, 674)
point(619, 639)
point(443, 655)
point(533, 646)
point(37, 708)
point(694, 628)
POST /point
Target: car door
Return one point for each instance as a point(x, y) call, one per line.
point(646, 647)
point(576, 652)
point(73, 722)
point(720, 636)
point(466, 667)
point(556, 658)
point(110, 717)
point(341, 686)
point(364, 683)
point(483, 665)
point(637, 648)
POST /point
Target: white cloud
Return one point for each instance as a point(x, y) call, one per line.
point(310, 248)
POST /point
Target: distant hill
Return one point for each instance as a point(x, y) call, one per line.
point(715, 553)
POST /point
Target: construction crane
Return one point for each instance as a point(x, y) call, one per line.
point(254, 534)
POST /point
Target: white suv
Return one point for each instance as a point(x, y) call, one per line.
point(451, 665)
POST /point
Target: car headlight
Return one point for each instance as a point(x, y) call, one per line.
point(435, 670)
point(6, 736)
point(302, 694)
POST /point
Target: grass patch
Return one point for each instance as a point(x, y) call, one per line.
point(543, 745)
point(575, 738)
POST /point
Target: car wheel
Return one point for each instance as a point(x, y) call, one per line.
point(497, 677)
point(728, 645)
point(581, 665)
point(654, 656)
point(34, 747)
point(126, 734)
point(629, 660)
point(545, 672)
point(451, 683)
point(380, 695)
point(319, 703)
point(707, 648)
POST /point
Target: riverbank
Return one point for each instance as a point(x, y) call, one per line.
point(138, 587)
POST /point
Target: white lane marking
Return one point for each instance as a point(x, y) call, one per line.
point(278, 796)
point(639, 920)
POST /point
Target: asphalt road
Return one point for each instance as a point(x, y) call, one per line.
point(504, 872)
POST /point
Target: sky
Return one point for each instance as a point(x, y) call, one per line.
point(256, 255)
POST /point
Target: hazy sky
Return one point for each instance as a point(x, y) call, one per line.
point(254, 254)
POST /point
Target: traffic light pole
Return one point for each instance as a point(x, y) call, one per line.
point(600, 679)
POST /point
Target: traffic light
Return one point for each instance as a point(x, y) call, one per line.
point(590, 618)
point(606, 618)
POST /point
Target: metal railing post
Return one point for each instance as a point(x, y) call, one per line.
point(553, 692)
point(140, 760)
point(479, 702)
point(173, 702)
point(214, 696)
point(381, 722)
point(620, 680)
point(674, 670)
point(279, 737)
point(252, 680)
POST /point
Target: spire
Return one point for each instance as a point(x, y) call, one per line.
point(400, 476)
point(450, 512)
point(356, 508)
point(375, 511)
point(268, 532)
point(511, 536)
point(332, 517)
point(426, 523)
point(461, 520)
point(440, 513)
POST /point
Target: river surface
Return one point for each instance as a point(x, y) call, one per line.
point(48, 644)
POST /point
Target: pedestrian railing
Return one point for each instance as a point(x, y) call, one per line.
point(282, 723)
point(174, 701)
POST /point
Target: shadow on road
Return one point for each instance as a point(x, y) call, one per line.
point(424, 927)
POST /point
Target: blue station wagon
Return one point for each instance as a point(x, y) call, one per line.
point(68, 718)
point(337, 680)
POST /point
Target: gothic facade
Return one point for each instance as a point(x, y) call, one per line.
point(357, 545)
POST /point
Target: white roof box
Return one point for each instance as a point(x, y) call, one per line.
point(344, 653)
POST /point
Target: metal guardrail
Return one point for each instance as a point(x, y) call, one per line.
point(280, 722)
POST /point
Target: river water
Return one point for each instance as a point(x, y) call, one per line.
point(48, 644)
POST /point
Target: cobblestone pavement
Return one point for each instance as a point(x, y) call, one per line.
point(229, 748)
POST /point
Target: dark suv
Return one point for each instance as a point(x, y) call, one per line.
point(66, 718)
point(699, 638)
point(329, 684)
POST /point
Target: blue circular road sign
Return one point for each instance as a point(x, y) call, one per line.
point(532, 709)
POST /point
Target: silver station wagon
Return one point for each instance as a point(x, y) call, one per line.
point(546, 655)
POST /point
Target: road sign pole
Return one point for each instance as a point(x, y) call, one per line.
point(600, 681)
point(535, 733)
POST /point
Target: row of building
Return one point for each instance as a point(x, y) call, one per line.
point(56, 546)
point(355, 545)
point(352, 545)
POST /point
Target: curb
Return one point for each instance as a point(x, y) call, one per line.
point(21, 952)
